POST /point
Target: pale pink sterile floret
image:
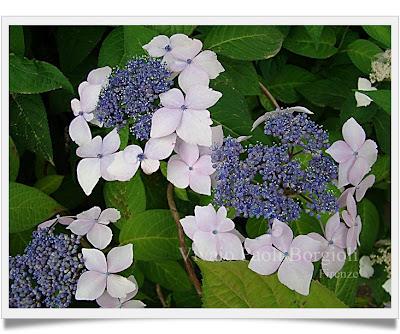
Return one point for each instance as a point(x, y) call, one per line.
point(213, 234)
point(355, 154)
point(101, 273)
point(353, 221)
point(359, 190)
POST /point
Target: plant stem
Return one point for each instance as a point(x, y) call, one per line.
point(160, 295)
point(267, 93)
point(181, 237)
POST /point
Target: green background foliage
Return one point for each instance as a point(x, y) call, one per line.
point(312, 66)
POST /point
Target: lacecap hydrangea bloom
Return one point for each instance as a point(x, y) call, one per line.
point(46, 274)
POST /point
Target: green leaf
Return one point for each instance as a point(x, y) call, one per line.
point(361, 53)
point(379, 33)
point(382, 129)
point(370, 225)
point(244, 42)
point(232, 113)
point(314, 32)
point(181, 194)
point(239, 74)
point(345, 283)
point(231, 284)
point(124, 137)
point(300, 41)
point(327, 92)
point(14, 160)
point(381, 168)
point(175, 29)
point(169, 274)
point(29, 207)
point(284, 84)
point(153, 234)
point(124, 43)
point(382, 98)
point(49, 184)
point(75, 43)
point(256, 227)
point(29, 126)
point(18, 241)
point(17, 40)
point(34, 76)
point(307, 224)
point(128, 197)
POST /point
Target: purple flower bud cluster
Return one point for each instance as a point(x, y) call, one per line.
point(276, 181)
point(131, 95)
point(297, 130)
point(46, 274)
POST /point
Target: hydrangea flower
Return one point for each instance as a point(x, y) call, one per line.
point(101, 273)
point(332, 245)
point(97, 156)
point(355, 154)
point(93, 223)
point(359, 190)
point(213, 234)
point(187, 115)
point(131, 95)
point(366, 269)
point(106, 301)
point(163, 46)
point(127, 162)
point(188, 168)
point(66, 220)
point(362, 99)
point(46, 274)
point(353, 221)
point(291, 257)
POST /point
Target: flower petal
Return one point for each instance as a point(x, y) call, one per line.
point(76, 106)
point(172, 99)
point(351, 207)
point(88, 172)
point(188, 50)
point(223, 223)
point(340, 151)
point(119, 258)
point(359, 169)
point(296, 275)
point(92, 213)
point(200, 183)
point(120, 169)
point(343, 197)
point(201, 97)
point(119, 286)
point(99, 236)
point(189, 153)
point(192, 75)
point(323, 244)
point(282, 235)
point(353, 134)
point(189, 225)
point(195, 127)
point(106, 301)
point(150, 166)
point(109, 215)
point(266, 260)
point(156, 47)
point(364, 185)
point(369, 152)
point(178, 173)
point(304, 248)
point(252, 245)
point(364, 85)
point(208, 62)
point(351, 240)
point(89, 97)
point(332, 225)
point(99, 75)
point(111, 142)
point(90, 149)
point(133, 304)
point(230, 247)
point(79, 131)
point(132, 294)
point(204, 165)
point(362, 100)
point(333, 261)
point(344, 169)
point(94, 260)
point(81, 226)
point(90, 285)
point(205, 246)
point(206, 218)
point(164, 122)
point(160, 148)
